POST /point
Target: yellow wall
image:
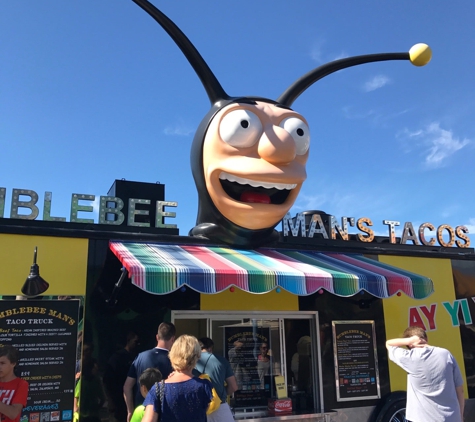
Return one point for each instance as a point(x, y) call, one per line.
point(240, 300)
point(396, 310)
point(62, 262)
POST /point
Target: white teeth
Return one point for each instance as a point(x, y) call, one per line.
point(254, 183)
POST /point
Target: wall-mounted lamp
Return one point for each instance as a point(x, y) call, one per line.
point(115, 291)
point(34, 284)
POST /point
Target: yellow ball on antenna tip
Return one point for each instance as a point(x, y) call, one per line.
point(420, 54)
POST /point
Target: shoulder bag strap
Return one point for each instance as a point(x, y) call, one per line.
point(162, 393)
point(157, 390)
point(209, 357)
point(159, 393)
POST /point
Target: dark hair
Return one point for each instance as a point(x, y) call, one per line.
point(149, 377)
point(10, 352)
point(131, 335)
point(415, 331)
point(87, 368)
point(88, 344)
point(206, 343)
point(166, 331)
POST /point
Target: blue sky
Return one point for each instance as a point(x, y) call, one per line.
point(94, 90)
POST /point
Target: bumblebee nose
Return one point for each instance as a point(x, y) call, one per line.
point(276, 146)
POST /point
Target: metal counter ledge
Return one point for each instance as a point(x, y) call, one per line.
point(302, 417)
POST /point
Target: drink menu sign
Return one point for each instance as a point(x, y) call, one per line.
point(45, 334)
point(356, 360)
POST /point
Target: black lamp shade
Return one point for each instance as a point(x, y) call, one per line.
point(34, 284)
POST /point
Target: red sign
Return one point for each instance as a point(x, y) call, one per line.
point(279, 406)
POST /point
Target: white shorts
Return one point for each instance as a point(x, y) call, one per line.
point(223, 414)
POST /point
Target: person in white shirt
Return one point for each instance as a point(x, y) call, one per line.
point(434, 382)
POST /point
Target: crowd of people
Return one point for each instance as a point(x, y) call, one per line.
point(164, 383)
point(181, 380)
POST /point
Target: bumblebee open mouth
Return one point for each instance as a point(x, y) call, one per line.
point(251, 191)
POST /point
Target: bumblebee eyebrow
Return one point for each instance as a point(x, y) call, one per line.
point(283, 106)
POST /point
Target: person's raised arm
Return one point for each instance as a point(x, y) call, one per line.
point(129, 396)
point(414, 341)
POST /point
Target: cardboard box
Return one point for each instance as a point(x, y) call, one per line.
point(278, 407)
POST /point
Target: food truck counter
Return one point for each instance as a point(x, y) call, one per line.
point(310, 417)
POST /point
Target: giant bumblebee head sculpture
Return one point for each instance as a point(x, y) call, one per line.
point(249, 154)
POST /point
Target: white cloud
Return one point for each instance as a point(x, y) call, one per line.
point(347, 201)
point(376, 82)
point(415, 134)
point(342, 55)
point(350, 113)
point(178, 131)
point(442, 145)
point(316, 53)
point(451, 210)
point(377, 117)
point(438, 144)
point(311, 202)
point(471, 226)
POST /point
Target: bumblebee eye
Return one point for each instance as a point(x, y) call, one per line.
point(240, 128)
point(299, 131)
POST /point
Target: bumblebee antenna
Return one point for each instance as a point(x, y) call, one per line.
point(213, 88)
point(419, 55)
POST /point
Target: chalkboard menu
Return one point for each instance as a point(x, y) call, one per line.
point(356, 360)
point(242, 349)
point(45, 334)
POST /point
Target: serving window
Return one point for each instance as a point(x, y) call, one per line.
point(261, 346)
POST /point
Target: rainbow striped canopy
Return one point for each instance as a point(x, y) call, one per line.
point(164, 268)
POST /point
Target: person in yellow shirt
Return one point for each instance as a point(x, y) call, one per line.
point(88, 395)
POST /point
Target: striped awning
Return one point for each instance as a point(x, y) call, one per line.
point(164, 268)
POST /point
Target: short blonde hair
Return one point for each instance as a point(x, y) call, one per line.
point(185, 352)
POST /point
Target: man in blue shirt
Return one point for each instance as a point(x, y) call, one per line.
point(154, 358)
point(220, 372)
